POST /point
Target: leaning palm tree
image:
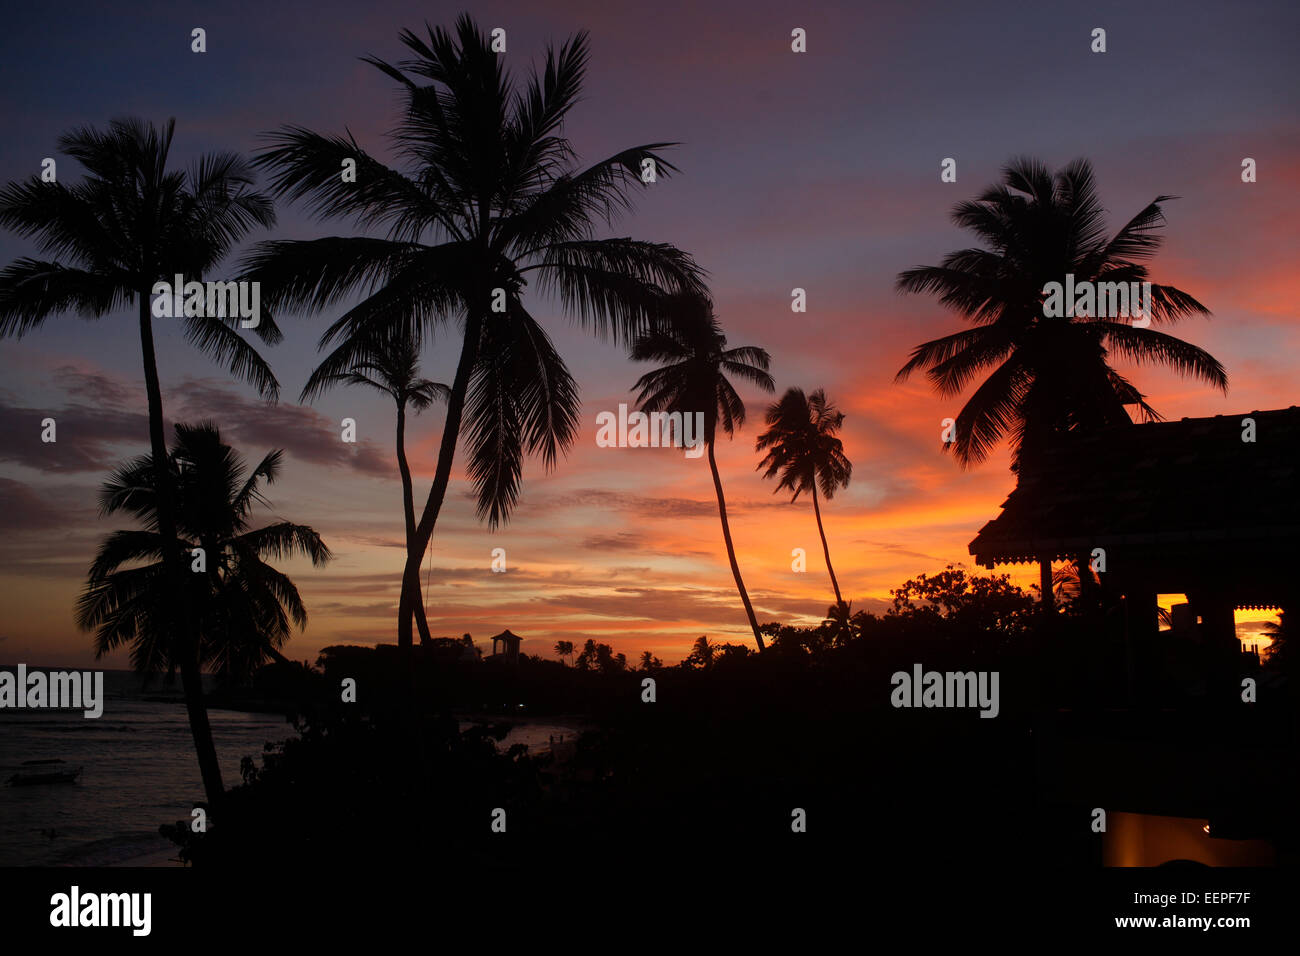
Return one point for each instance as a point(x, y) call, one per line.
point(488, 200)
point(803, 449)
point(395, 371)
point(129, 223)
point(693, 381)
point(1049, 375)
point(242, 605)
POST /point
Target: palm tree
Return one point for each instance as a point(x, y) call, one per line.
point(395, 371)
point(842, 625)
point(563, 649)
point(693, 381)
point(1278, 654)
point(701, 655)
point(1050, 375)
point(241, 604)
point(129, 223)
point(488, 201)
point(803, 449)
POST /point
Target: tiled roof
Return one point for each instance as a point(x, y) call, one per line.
point(1165, 485)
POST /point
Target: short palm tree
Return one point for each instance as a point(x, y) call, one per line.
point(1049, 375)
point(803, 449)
point(693, 380)
point(489, 199)
point(395, 371)
point(842, 625)
point(242, 605)
point(129, 223)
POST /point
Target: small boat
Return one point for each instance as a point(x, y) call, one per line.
point(44, 771)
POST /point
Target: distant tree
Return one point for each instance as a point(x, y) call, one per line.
point(803, 448)
point(727, 653)
point(587, 658)
point(842, 625)
point(649, 662)
point(693, 379)
point(982, 602)
point(564, 649)
point(701, 655)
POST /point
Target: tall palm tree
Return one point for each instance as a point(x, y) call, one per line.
point(241, 604)
point(803, 448)
point(1050, 375)
point(563, 649)
point(129, 223)
point(693, 380)
point(395, 371)
point(487, 201)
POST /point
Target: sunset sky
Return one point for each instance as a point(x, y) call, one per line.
point(818, 171)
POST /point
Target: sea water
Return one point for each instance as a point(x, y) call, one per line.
point(138, 771)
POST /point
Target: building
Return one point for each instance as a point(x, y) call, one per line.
point(510, 647)
point(1206, 507)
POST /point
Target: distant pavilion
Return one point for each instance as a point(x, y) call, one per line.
point(510, 643)
point(1184, 507)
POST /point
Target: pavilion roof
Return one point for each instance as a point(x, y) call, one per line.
point(1163, 486)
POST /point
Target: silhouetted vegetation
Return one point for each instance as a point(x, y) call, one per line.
point(733, 742)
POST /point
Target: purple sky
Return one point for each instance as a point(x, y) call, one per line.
point(816, 170)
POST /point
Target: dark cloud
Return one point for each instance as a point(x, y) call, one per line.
point(90, 437)
point(622, 541)
point(900, 550)
point(304, 433)
point(97, 388)
point(86, 438)
point(22, 509)
point(639, 504)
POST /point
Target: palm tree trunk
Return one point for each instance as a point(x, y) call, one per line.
point(441, 477)
point(187, 646)
point(1088, 590)
point(408, 511)
point(825, 549)
point(731, 549)
point(1045, 585)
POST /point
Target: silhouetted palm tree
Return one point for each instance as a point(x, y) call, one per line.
point(804, 450)
point(1279, 654)
point(701, 655)
point(241, 604)
point(842, 625)
point(563, 649)
point(489, 201)
point(693, 380)
point(1050, 375)
point(129, 223)
point(395, 371)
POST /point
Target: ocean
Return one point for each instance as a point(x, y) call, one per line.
point(139, 771)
